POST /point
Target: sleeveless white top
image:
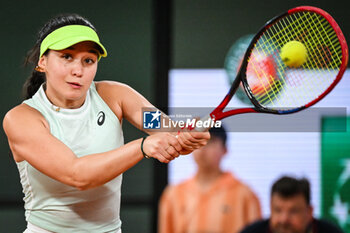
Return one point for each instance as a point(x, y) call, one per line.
point(54, 206)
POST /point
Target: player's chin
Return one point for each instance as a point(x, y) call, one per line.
point(75, 95)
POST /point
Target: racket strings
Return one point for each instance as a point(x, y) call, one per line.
point(262, 97)
point(271, 85)
point(327, 65)
point(263, 42)
point(262, 86)
point(288, 87)
point(296, 23)
point(274, 85)
point(318, 49)
point(287, 35)
point(310, 44)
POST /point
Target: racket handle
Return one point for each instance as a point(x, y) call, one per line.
point(207, 122)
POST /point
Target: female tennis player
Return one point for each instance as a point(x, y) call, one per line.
point(66, 137)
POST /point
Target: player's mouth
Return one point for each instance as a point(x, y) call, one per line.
point(74, 85)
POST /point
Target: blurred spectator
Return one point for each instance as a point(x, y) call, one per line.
point(212, 200)
point(291, 211)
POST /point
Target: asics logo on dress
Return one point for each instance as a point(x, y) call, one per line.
point(101, 118)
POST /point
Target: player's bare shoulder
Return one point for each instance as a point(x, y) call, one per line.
point(22, 123)
point(22, 117)
point(115, 94)
point(107, 89)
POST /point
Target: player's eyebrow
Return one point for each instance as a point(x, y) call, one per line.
point(90, 51)
point(94, 52)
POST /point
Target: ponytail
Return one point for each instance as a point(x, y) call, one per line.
point(32, 84)
point(34, 81)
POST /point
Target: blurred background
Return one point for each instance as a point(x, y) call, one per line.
point(145, 40)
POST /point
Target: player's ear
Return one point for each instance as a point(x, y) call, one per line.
point(42, 63)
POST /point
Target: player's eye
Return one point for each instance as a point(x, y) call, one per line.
point(90, 61)
point(66, 56)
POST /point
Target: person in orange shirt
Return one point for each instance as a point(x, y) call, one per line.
point(211, 201)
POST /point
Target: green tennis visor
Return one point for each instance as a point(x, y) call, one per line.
point(67, 36)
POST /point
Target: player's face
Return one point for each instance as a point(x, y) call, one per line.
point(211, 154)
point(289, 215)
point(69, 73)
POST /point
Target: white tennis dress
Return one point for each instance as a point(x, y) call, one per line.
point(56, 207)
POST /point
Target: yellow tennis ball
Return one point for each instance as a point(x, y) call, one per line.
point(294, 54)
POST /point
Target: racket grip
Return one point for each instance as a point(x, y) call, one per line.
point(207, 121)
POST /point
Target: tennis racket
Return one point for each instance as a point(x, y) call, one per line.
point(274, 87)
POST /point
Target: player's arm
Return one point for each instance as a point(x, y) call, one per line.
point(127, 103)
point(30, 139)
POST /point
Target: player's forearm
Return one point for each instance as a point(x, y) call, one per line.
point(94, 170)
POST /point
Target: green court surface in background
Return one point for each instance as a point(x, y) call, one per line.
point(335, 171)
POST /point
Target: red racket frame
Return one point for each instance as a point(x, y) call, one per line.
point(218, 114)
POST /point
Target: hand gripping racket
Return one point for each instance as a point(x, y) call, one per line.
point(278, 86)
